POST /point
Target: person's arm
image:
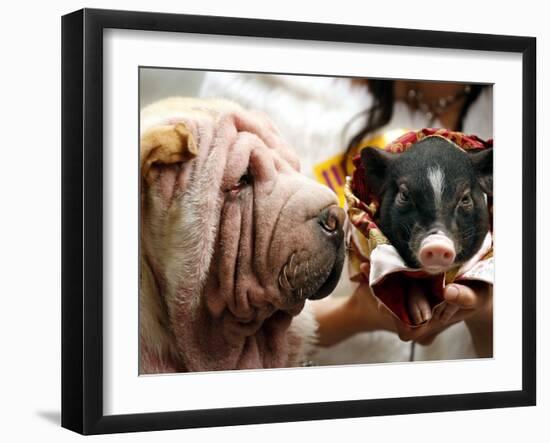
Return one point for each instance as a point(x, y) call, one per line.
point(477, 298)
point(342, 317)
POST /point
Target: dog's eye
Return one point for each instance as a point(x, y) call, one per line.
point(245, 180)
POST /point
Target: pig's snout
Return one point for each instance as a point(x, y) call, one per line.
point(437, 253)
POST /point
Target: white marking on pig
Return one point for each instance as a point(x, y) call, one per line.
point(437, 180)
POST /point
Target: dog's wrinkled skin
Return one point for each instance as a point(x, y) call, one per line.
point(233, 241)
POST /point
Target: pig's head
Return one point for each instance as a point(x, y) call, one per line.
point(433, 201)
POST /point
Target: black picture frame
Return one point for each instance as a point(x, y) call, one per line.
point(82, 219)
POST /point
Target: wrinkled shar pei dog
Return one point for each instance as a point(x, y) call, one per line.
point(234, 240)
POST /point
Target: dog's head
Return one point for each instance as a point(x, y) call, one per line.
point(234, 239)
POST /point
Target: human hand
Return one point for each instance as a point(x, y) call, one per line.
point(340, 318)
point(471, 302)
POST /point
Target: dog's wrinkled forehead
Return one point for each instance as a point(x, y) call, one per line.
point(213, 120)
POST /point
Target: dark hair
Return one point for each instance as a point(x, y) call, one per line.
point(381, 111)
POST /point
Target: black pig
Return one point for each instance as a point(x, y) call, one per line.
point(433, 207)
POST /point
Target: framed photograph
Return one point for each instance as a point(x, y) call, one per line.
point(269, 221)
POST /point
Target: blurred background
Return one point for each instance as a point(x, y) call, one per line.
point(159, 83)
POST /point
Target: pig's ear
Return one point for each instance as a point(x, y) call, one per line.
point(483, 165)
point(377, 163)
point(165, 145)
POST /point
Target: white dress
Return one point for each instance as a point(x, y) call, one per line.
point(314, 115)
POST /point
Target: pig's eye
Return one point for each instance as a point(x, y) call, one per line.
point(466, 200)
point(403, 196)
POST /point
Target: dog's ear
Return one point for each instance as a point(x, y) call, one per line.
point(165, 145)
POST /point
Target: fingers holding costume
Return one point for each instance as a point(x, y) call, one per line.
point(461, 296)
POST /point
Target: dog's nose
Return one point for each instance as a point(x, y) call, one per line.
point(332, 219)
